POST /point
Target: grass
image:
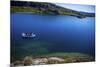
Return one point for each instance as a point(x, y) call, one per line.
point(16, 9)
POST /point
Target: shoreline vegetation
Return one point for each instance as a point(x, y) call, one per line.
point(46, 9)
point(54, 58)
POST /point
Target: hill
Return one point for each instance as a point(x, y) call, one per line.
point(46, 8)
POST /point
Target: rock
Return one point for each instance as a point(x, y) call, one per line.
point(40, 61)
point(27, 61)
point(36, 61)
point(53, 60)
point(56, 59)
point(17, 63)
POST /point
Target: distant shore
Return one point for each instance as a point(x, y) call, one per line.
point(46, 8)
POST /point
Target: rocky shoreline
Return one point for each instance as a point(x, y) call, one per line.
point(29, 60)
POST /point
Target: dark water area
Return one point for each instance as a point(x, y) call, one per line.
point(53, 34)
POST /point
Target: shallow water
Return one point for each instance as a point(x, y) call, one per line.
point(53, 34)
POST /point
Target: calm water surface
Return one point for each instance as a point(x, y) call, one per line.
point(53, 34)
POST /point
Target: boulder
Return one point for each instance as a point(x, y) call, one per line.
point(38, 61)
point(54, 60)
point(27, 61)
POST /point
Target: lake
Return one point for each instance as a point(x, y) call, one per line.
point(54, 33)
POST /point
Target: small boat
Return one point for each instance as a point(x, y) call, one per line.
point(28, 35)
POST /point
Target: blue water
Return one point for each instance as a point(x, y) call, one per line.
point(53, 34)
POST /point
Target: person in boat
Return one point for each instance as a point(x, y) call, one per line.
point(28, 34)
